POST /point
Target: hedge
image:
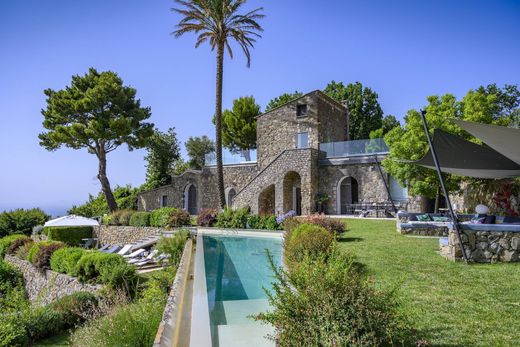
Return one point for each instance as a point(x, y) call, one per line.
point(64, 260)
point(5, 243)
point(140, 219)
point(21, 221)
point(161, 217)
point(71, 235)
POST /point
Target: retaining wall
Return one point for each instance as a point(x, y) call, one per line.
point(121, 235)
point(44, 287)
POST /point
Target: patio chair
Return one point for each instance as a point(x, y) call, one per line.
point(104, 247)
point(112, 249)
point(88, 243)
point(135, 254)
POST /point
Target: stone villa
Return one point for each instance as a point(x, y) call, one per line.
point(303, 151)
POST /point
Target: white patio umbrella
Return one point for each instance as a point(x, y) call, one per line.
point(71, 220)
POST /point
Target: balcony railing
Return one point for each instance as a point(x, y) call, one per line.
point(354, 148)
point(230, 158)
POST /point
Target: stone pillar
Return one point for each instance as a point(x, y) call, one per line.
point(278, 197)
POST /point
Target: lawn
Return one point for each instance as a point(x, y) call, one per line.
point(451, 304)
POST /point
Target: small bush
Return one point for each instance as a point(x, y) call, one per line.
point(291, 223)
point(73, 307)
point(307, 240)
point(64, 260)
point(140, 219)
point(119, 217)
point(23, 251)
point(110, 269)
point(179, 218)
point(173, 246)
point(5, 243)
point(21, 221)
point(328, 302)
point(268, 222)
point(160, 218)
point(335, 226)
point(35, 248)
point(42, 259)
point(207, 217)
point(230, 218)
point(17, 243)
point(9, 275)
point(72, 235)
point(12, 333)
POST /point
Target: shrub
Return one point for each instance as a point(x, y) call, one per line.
point(335, 226)
point(134, 325)
point(173, 246)
point(289, 224)
point(17, 243)
point(42, 259)
point(281, 218)
point(307, 240)
point(140, 219)
point(179, 218)
point(328, 302)
point(64, 260)
point(21, 221)
point(110, 269)
point(268, 222)
point(71, 235)
point(9, 275)
point(12, 333)
point(75, 306)
point(35, 248)
point(207, 217)
point(160, 217)
point(23, 250)
point(230, 218)
point(5, 243)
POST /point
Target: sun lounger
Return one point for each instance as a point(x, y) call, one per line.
point(144, 262)
point(104, 248)
point(125, 249)
point(135, 254)
point(112, 249)
point(150, 257)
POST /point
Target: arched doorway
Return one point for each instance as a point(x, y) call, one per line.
point(347, 194)
point(190, 199)
point(292, 192)
point(230, 194)
point(266, 201)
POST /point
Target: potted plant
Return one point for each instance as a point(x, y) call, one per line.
point(321, 200)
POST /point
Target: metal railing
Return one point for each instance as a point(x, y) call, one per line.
point(231, 158)
point(354, 148)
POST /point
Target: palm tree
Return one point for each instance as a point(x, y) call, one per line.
point(218, 22)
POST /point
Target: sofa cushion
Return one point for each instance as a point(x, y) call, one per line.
point(490, 219)
point(440, 218)
point(511, 220)
point(423, 218)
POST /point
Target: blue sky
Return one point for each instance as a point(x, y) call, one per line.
point(404, 50)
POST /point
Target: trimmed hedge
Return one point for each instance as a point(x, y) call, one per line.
point(161, 217)
point(71, 235)
point(110, 269)
point(140, 219)
point(5, 243)
point(64, 260)
point(308, 240)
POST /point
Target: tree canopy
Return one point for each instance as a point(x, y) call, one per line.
point(490, 105)
point(98, 113)
point(197, 148)
point(239, 124)
point(282, 100)
point(389, 122)
point(163, 153)
point(365, 113)
point(96, 206)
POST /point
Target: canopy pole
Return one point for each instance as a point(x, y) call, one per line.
point(384, 182)
point(454, 217)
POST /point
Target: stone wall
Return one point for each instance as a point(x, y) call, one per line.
point(370, 184)
point(288, 165)
point(121, 235)
point(44, 287)
point(205, 182)
point(484, 246)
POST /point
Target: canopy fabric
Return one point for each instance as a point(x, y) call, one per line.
point(503, 140)
point(71, 220)
point(464, 158)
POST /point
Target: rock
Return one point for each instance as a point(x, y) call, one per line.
point(494, 247)
point(504, 243)
point(515, 243)
point(509, 256)
point(482, 245)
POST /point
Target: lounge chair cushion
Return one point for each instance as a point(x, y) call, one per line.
point(423, 218)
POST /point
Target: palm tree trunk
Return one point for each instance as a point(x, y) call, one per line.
point(218, 124)
point(105, 184)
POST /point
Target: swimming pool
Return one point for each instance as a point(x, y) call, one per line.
point(236, 269)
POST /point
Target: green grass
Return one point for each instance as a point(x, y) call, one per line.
point(450, 303)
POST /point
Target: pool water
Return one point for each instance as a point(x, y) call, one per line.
point(237, 269)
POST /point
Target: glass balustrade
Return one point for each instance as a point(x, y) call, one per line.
point(231, 158)
point(354, 148)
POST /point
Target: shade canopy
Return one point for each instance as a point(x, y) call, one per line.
point(464, 158)
point(503, 140)
point(71, 220)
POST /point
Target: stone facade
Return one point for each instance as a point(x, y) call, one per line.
point(284, 177)
point(485, 245)
point(44, 287)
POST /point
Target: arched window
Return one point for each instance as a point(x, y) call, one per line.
point(230, 194)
